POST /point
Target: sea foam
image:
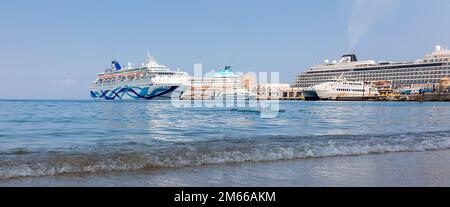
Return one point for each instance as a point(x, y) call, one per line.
point(134, 156)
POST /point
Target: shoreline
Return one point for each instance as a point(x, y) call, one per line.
point(406, 169)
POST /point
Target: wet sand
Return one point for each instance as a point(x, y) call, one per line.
point(430, 168)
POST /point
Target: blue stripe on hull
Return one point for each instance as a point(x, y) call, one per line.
point(134, 93)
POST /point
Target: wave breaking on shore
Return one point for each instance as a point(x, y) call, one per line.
point(137, 156)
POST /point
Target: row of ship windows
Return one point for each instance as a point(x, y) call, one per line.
point(133, 77)
point(113, 81)
point(146, 75)
point(215, 82)
point(436, 60)
point(378, 78)
point(219, 84)
point(215, 85)
point(434, 78)
point(406, 82)
point(442, 73)
point(353, 84)
point(414, 81)
point(386, 71)
point(396, 80)
point(349, 90)
point(403, 72)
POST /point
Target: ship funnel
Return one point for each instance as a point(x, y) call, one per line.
point(348, 58)
point(115, 65)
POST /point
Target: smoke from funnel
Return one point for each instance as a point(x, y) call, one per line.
point(363, 14)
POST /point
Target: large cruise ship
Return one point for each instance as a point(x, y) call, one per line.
point(224, 84)
point(149, 81)
point(424, 71)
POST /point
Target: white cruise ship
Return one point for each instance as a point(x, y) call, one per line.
point(150, 81)
point(224, 84)
point(424, 71)
point(340, 87)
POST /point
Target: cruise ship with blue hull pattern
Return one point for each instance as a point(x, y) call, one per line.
point(150, 81)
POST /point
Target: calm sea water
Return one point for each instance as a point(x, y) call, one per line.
point(39, 138)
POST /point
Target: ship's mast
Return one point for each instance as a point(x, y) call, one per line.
point(151, 61)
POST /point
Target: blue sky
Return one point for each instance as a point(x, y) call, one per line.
point(54, 49)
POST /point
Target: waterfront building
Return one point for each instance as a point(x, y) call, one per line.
point(276, 91)
point(444, 84)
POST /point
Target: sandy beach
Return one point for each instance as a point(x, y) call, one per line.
point(431, 168)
